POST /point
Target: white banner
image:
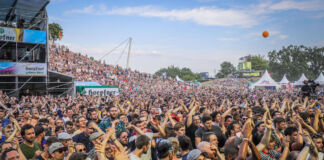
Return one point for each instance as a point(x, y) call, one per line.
point(31, 69)
point(101, 91)
point(7, 34)
point(23, 69)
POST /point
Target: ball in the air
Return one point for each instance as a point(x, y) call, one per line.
point(265, 34)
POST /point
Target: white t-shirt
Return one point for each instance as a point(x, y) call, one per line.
point(148, 155)
point(320, 156)
point(132, 156)
point(65, 119)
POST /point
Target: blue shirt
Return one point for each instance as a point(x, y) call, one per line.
point(5, 122)
point(3, 139)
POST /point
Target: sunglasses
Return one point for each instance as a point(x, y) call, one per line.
point(81, 150)
point(123, 137)
point(61, 150)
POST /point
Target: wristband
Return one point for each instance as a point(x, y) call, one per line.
point(311, 147)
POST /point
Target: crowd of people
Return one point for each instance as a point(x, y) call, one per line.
point(154, 118)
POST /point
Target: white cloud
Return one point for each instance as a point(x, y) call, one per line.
point(208, 16)
point(312, 5)
point(245, 16)
point(283, 36)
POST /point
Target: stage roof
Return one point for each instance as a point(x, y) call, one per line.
point(29, 10)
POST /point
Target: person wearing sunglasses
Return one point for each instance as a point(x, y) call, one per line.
point(123, 138)
point(79, 147)
point(45, 155)
point(57, 151)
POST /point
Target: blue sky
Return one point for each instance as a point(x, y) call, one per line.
point(199, 34)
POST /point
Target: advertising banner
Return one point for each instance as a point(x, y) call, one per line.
point(251, 74)
point(22, 35)
point(23, 69)
point(98, 90)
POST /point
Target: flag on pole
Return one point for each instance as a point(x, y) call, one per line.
point(60, 35)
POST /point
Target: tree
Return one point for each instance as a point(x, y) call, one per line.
point(295, 60)
point(226, 69)
point(54, 30)
point(259, 63)
point(219, 75)
point(185, 73)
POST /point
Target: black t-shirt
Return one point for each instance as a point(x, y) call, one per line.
point(82, 138)
point(190, 132)
point(306, 90)
point(219, 134)
point(39, 158)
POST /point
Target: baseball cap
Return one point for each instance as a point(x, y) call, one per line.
point(258, 123)
point(95, 135)
point(55, 146)
point(194, 154)
point(164, 147)
point(64, 136)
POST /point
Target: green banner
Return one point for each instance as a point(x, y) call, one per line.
point(98, 90)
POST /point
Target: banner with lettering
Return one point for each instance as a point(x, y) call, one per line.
point(23, 69)
point(22, 35)
point(98, 90)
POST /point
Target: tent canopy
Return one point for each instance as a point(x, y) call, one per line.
point(301, 80)
point(29, 10)
point(284, 80)
point(266, 81)
point(320, 79)
point(86, 83)
point(178, 79)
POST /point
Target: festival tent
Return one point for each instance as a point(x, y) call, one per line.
point(284, 81)
point(266, 82)
point(320, 79)
point(301, 80)
point(178, 79)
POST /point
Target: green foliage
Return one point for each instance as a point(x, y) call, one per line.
point(54, 30)
point(219, 75)
point(185, 73)
point(259, 63)
point(295, 60)
point(226, 69)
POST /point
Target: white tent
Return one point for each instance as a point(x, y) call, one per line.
point(284, 80)
point(265, 82)
point(301, 80)
point(178, 79)
point(320, 79)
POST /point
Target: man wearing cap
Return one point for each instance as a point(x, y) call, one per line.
point(65, 138)
point(45, 154)
point(96, 137)
point(57, 151)
point(258, 132)
point(196, 154)
point(165, 150)
point(142, 144)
